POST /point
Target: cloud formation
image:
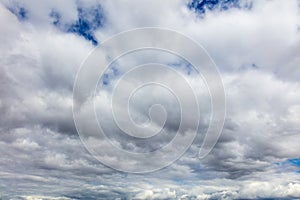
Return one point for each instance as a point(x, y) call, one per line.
point(256, 46)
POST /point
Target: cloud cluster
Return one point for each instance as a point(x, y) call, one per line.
point(255, 47)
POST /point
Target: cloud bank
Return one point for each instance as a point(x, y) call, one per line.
point(255, 45)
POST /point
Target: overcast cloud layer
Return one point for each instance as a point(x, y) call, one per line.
point(256, 46)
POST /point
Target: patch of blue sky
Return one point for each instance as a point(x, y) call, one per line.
point(295, 162)
point(202, 6)
point(291, 163)
point(89, 20)
point(20, 12)
point(110, 75)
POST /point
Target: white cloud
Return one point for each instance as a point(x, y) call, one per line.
point(257, 51)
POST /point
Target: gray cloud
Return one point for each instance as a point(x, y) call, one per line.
point(256, 50)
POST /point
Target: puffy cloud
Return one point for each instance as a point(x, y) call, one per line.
point(255, 47)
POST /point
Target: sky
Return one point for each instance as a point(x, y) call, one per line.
point(254, 45)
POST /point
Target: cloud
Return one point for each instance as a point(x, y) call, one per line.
point(256, 49)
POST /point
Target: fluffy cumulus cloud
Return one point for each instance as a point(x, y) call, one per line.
point(254, 43)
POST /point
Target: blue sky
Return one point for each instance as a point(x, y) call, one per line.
point(254, 43)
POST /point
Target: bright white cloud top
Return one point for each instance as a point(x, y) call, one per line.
point(255, 45)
